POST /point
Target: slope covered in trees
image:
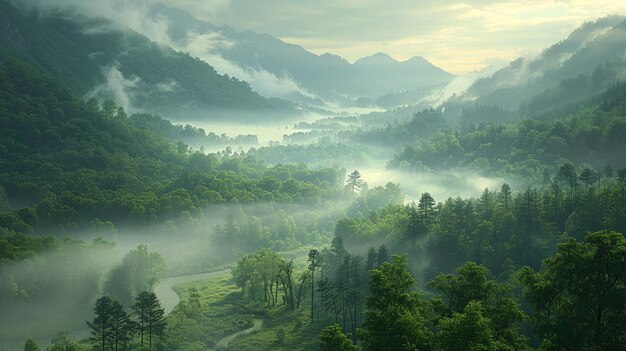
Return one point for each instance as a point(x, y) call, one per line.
point(594, 133)
point(94, 57)
point(66, 163)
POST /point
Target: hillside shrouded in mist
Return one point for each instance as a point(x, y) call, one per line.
point(238, 175)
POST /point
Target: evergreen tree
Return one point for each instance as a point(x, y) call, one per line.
point(371, 260)
point(122, 327)
point(504, 197)
point(150, 317)
point(354, 183)
point(426, 210)
point(313, 265)
point(383, 255)
point(101, 330)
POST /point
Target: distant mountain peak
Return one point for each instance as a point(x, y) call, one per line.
point(417, 59)
point(377, 58)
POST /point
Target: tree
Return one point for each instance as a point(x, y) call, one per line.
point(332, 338)
point(567, 173)
point(414, 223)
point(579, 300)
point(354, 183)
point(101, 332)
point(371, 260)
point(467, 331)
point(150, 317)
point(588, 177)
point(471, 284)
point(504, 197)
point(31, 345)
point(486, 205)
point(286, 270)
point(61, 342)
point(383, 254)
point(313, 265)
point(139, 271)
point(121, 327)
point(393, 320)
point(118, 284)
point(426, 209)
point(478, 311)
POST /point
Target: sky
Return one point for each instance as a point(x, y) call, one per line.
point(458, 36)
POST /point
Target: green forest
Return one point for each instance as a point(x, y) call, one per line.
point(151, 201)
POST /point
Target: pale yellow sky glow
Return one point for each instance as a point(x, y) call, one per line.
point(458, 36)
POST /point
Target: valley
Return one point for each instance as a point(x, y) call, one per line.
point(169, 183)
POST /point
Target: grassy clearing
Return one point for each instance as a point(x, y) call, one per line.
point(219, 314)
point(225, 310)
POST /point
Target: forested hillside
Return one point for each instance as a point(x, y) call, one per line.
point(592, 133)
point(93, 57)
point(66, 163)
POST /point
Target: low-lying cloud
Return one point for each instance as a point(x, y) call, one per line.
point(137, 15)
point(117, 88)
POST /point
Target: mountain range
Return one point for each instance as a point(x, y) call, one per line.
point(192, 69)
point(322, 75)
point(589, 60)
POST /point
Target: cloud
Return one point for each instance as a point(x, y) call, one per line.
point(207, 47)
point(117, 88)
point(168, 86)
point(137, 15)
point(122, 13)
point(460, 84)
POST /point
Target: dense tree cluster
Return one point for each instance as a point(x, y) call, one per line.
point(70, 164)
point(500, 229)
point(197, 138)
point(262, 275)
point(422, 125)
point(592, 134)
point(575, 303)
point(113, 328)
point(320, 152)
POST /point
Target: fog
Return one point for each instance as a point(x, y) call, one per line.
point(265, 130)
point(62, 306)
point(187, 244)
point(440, 184)
point(138, 15)
point(121, 89)
point(458, 87)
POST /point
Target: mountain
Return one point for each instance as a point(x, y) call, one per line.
point(589, 60)
point(97, 59)
point(325, 75)
point(74, 162)
point(389, 75)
